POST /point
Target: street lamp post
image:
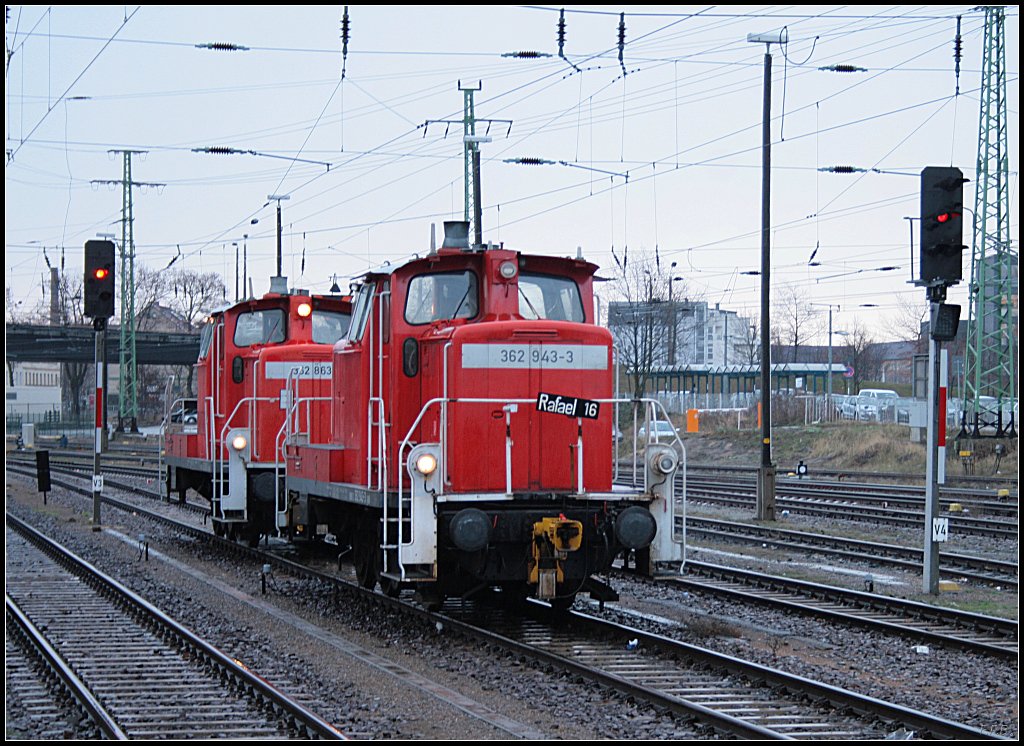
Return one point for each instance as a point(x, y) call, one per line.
point(829, 386)
point(672, 310)
point(278, 197)
point(765, 509)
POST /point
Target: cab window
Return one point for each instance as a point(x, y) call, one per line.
point(360, 312)
point(329, 326)
point(205, 340)
point(440, 296)
point(259, 327)
point(549, 297)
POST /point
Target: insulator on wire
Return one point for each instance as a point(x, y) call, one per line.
point(223, 46)
point(561, 40)
point(958, 53)
point(622, 41)
point(344, 41)
point(843, 69)
point(526, 55)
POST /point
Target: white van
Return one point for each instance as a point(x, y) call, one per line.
point(876, 404)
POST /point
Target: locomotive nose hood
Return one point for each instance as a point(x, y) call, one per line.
point(543, 382)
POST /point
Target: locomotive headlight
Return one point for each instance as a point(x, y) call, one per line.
point(426, 464)
point(507, 270)
point(239, 442)
point(304, 310)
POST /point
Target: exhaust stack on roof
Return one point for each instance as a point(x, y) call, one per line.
point(456, 235)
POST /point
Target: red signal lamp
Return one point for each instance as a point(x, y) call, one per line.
point(101, 273)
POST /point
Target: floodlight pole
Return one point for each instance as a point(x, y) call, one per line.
point(765, 507)
point(278, 197)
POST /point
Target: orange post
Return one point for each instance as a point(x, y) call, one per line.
point(692, 424)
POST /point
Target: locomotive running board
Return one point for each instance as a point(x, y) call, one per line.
point(412, 575)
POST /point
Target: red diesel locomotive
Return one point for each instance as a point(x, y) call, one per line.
point(469, 439)
point(255, 358)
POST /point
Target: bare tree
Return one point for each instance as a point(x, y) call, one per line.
point(751, 342)
point(862, 355)
point(906, 324)
point(642, 321)
point(71, 312)
point(152, 289)
point(195, 294)
point(794, 321)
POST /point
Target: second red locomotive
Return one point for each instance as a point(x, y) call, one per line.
point(254, 358)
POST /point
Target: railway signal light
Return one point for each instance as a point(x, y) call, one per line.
point(99, 279)
point(942, 226)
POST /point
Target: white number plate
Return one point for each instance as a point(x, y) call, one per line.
point(528, 356)
point(304, 370)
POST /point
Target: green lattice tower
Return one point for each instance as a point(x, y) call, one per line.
point(128, 392)
point(991, 338)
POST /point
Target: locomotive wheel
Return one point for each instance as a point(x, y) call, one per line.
point(252, 535)
point(642, 561)
point(390, 588)
point(562, 603)
point(514, 595)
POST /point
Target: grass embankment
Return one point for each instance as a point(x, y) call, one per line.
point(843, 445)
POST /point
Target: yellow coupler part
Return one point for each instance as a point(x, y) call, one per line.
point(948, 586)
point(553, 539)
point(956, 508)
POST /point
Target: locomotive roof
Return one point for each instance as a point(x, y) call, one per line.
point(270, 296)
point(387, 268)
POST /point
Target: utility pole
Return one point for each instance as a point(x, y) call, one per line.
point(128, 389)
point(828, 405)
point(765, 508)
point(278, 197)
point(471, 158)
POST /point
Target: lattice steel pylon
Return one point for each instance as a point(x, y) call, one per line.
point(128, 389)
point(991, 338)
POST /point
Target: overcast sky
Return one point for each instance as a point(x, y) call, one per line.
point(657, 150)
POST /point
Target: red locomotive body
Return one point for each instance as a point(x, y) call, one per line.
point(471, 441)
point(264, 370)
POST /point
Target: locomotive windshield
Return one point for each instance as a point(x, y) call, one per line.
point(259, 327)
point(329, 326)
point(439, 296)
point(549, 297)
point(205, 339)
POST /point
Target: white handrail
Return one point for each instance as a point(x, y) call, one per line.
point(652, 405)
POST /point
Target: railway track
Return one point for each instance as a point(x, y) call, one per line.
point(731, 696)
point(957, 566)
point(923, 622)
point(875, 507)
point(137, 673)
point(734, 697)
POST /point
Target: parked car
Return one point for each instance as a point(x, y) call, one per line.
point(662, 429)
point(187, 413)
point(848, 409)
point(876, 405)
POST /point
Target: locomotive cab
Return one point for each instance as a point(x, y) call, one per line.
point(259, 360)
